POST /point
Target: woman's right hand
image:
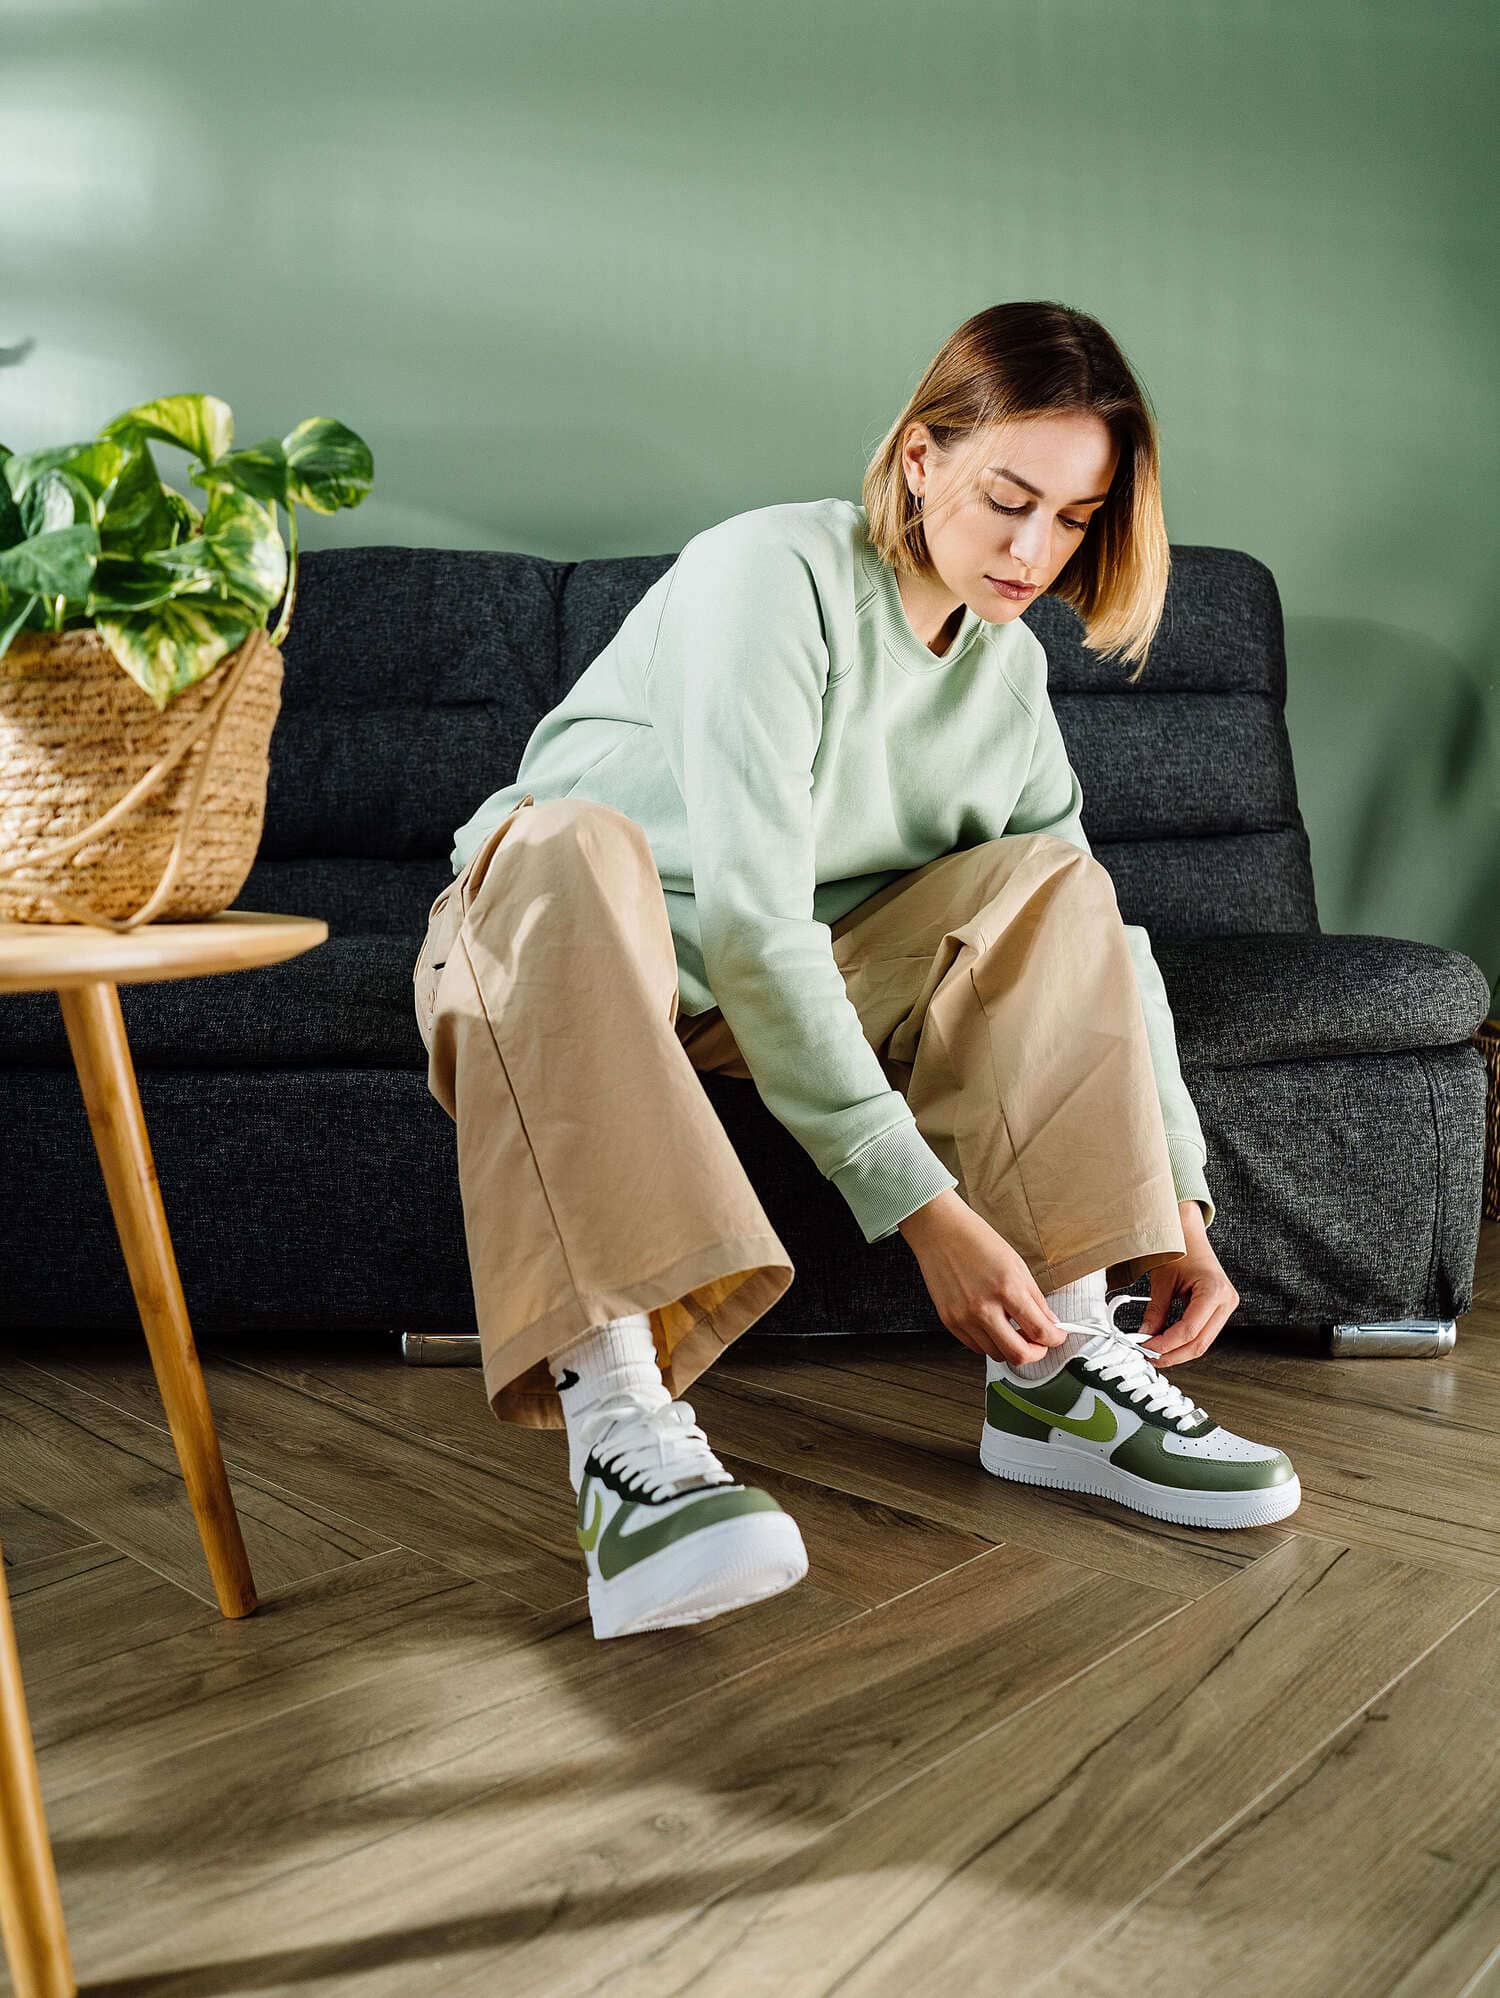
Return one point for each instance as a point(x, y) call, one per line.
point(979, 1283)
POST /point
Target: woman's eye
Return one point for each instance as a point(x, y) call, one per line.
point(1078, 526)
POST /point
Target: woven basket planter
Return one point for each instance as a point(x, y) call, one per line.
point(114, 812)
point(1488, 1038)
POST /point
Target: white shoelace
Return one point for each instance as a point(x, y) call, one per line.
point(1126, 1362)
point(662, 1449)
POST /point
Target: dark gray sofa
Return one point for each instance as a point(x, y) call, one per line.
point(310, 1179)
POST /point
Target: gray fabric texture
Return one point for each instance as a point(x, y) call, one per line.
point(1337, 1082)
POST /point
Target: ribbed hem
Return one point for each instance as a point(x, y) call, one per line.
point(891, 1177)
point(1188, 1160)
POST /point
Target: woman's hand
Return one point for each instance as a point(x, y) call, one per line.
point(1211, 1296)
point(979, 1283)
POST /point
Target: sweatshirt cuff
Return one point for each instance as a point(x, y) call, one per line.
point(890, 1177)
point(1188, 1160)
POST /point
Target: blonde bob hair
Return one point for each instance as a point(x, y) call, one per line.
point(1034, 358)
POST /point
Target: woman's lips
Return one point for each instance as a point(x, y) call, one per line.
point(1015, 590)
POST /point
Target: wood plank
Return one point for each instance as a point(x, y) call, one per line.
point(622, 1789)
point(1042, 1831)
point(117, 1478)
point(398, 1777)
point(451, 1504)
point(32, 1577)
point(163, 1689)
point(31, 1532)
point(91, 1610)
point(1380, 1853)
point(857, 1547)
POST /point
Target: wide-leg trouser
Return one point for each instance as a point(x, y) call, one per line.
point(994, 984)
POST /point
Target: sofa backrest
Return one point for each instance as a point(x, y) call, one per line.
point(414, 677)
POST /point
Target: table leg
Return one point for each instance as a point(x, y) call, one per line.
point(31, 1911)
point(106, 1076)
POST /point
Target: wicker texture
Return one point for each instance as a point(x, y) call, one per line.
point(78, 736)
point(1488, 1039)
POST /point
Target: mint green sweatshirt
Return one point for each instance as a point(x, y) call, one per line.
point(789, 745)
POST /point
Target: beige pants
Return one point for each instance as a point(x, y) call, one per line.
point(994, 984)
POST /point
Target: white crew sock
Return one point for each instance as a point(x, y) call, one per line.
point(1082, 1298)
point(1079, 1301)
point(610, 1358)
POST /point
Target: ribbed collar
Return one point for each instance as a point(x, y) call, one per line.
point(901, 642)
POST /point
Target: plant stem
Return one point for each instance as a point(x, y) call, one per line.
point(283, 623)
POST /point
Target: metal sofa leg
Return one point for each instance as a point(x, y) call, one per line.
point(441, 1349)
point(1395, 1338)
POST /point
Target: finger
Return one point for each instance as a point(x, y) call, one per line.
point(1163, 1290)
point(1046, 1317)
point(1172, 1342)
point(1201, 1306)
point(1030, 1345)
point(1037, 1321)
point(1013, 1343)
point(994, 1348)
point(1194, 1349)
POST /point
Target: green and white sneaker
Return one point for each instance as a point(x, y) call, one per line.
point(1104, 1419)
point(668, 1535)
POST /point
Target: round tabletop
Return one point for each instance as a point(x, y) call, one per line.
point(41, 957)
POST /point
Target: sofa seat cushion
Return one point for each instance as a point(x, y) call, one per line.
point(1279, 996)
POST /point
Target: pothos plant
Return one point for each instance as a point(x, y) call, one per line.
point(91, 535)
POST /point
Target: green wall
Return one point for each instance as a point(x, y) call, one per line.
point(592, 277)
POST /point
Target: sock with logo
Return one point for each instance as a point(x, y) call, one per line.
point(612, 1358)
point(1079, 1301)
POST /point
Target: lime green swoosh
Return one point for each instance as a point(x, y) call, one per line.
point(588, 1535)
point(1097, 1427)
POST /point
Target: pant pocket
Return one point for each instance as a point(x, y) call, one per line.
point(445, 916)
point(430, 961)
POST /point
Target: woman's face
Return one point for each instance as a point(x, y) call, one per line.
point(1009, 504)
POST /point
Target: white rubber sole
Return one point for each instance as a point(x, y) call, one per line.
point(1033, 1463)
point(720, 1567)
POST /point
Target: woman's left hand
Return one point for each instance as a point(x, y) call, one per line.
point(1211, 1296)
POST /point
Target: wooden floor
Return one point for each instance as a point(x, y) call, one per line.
point(1000, 1740)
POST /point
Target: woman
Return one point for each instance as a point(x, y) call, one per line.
point(808, 818)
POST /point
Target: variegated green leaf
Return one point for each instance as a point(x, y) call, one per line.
point(261, 470)
point(56, 564)
point(90, 535)
point(13, 614)
point(201, 424)
point(134, 513)
point(170, 649)
point(240, 540)
point(12, 527)
point(124, 584)
point(57, 499)
point(186, 519)
point(329, 466)
point(91, 459)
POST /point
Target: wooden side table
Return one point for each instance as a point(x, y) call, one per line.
point(85, 966)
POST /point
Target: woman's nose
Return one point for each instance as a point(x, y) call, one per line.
point(1028, 549)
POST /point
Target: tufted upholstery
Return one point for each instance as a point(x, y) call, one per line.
point(1335, 1077)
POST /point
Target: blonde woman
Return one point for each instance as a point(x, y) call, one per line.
point(808, 818)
